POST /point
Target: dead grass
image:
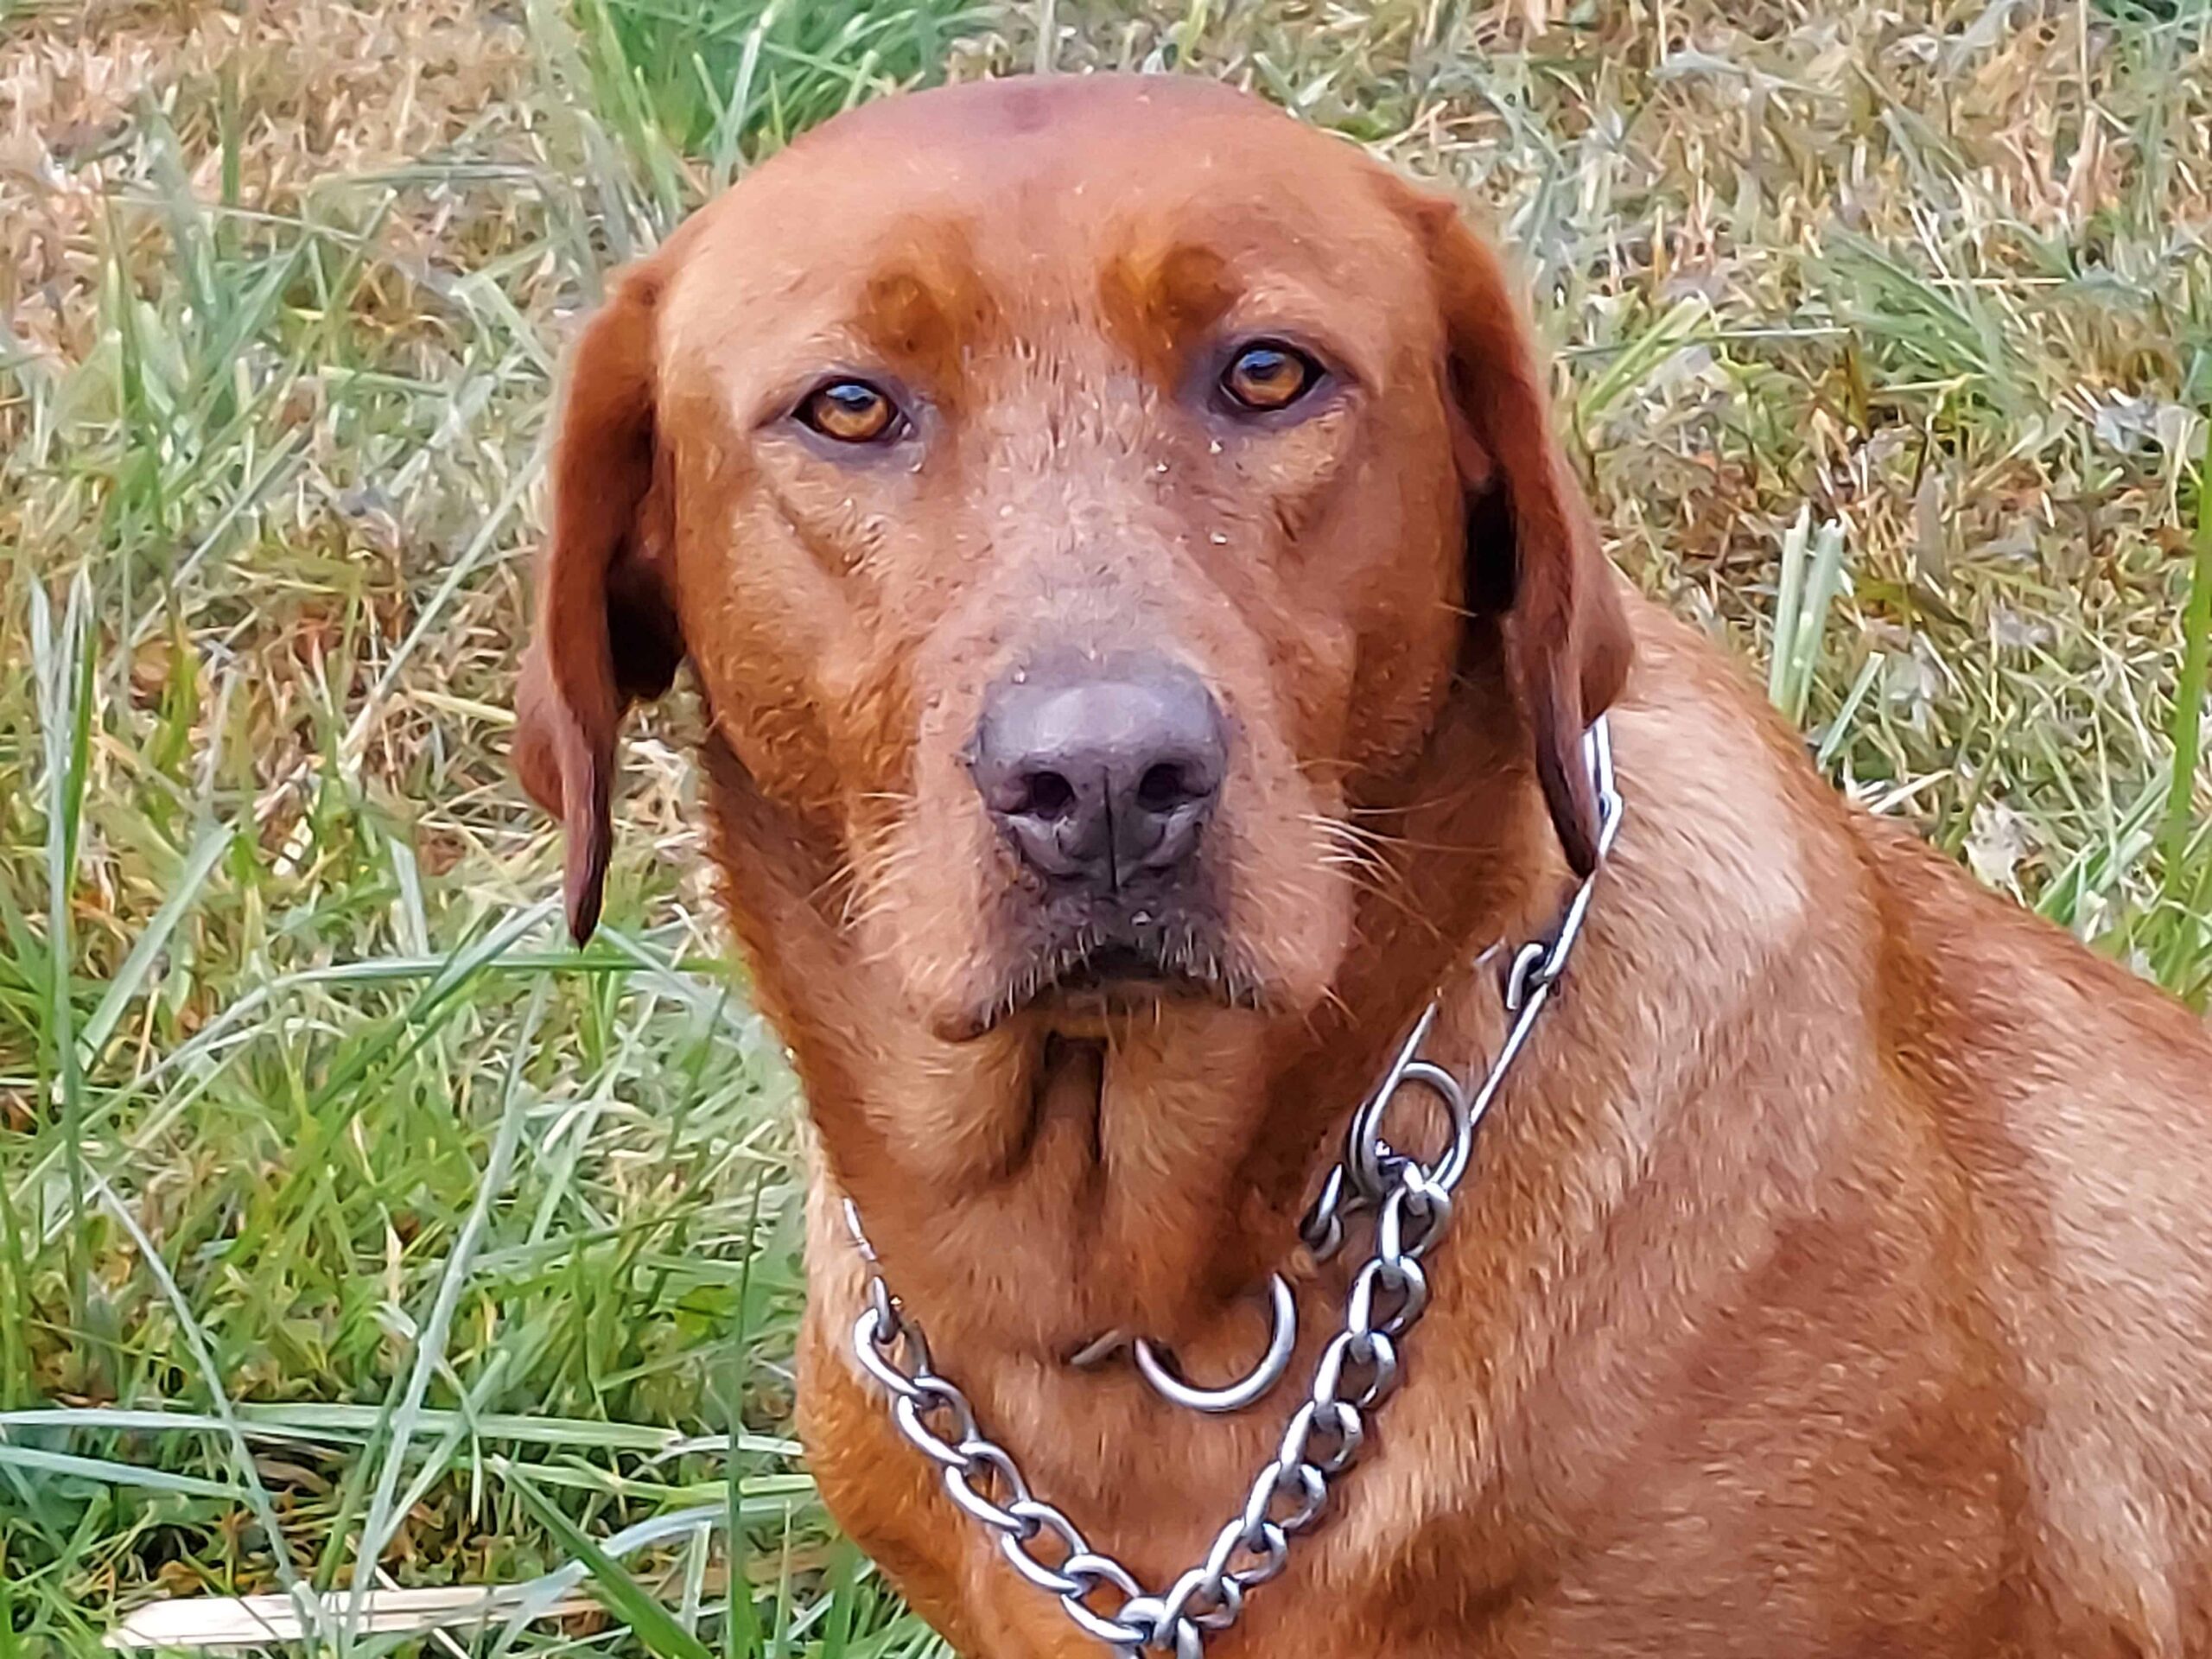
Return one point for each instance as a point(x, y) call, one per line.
point(281, 289)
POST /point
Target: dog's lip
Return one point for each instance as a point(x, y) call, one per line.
point(1092, 975)
point(1114, 965)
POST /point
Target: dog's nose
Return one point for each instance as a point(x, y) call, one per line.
point(1099, 780)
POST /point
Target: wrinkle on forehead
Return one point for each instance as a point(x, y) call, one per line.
point(935, 224)
point(924, 303)
point(907, 296)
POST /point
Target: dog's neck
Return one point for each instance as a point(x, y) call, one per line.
point(1030, 1191)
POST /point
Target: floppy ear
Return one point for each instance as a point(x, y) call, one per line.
point(1532, 557)
point(607, 629)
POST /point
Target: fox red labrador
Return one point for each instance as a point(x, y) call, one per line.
point(1410, 1119)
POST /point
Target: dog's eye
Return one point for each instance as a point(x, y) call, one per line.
point(1268, 375)
point(851, 412)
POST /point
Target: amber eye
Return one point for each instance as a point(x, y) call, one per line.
point(851, 412)
point(1268, 375)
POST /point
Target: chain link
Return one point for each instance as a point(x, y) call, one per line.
point(1357, 1371)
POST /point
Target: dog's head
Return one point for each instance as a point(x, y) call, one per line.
point(1075, 498)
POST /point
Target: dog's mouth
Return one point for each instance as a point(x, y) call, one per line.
point(1090, 975)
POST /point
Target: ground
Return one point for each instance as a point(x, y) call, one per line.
point(1886, 336)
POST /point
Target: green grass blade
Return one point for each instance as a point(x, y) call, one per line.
point(430, 1342)
point(109, 1473)
point(844, 1582)
point(1788, 608)
point(2182, 888)
point(653, 1624)
point(62, 662)
point(195, 1337)
point(129, 979)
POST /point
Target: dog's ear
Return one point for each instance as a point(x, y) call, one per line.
point(606, 632)
point(1533, 558)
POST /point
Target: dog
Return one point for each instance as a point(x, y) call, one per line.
point(1152, 649)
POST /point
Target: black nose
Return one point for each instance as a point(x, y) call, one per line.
point(1099, 779)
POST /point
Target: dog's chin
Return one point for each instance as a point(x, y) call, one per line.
point(1082, 988)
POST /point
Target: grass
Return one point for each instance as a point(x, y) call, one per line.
point(354, 1231)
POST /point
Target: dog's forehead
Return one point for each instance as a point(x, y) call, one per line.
point(1054, 135)
point(1045, 190)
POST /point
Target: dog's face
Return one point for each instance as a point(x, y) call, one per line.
point(1072, 496)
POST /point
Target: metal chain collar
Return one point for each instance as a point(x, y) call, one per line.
point(1359, 1369)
